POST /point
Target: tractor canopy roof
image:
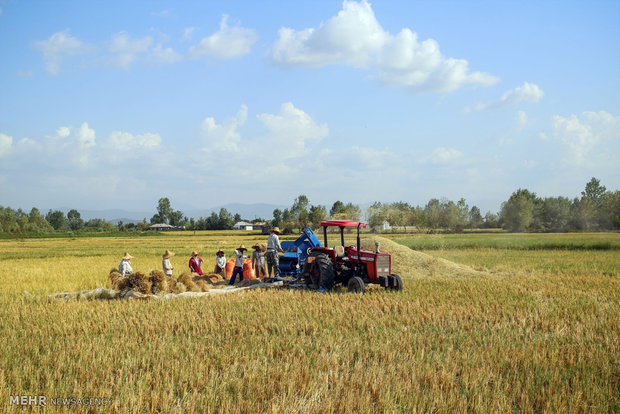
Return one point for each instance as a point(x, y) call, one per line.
point(342, 223)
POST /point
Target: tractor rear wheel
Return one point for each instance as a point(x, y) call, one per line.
point(322, 271)
point(395, 282)
point(356, 284)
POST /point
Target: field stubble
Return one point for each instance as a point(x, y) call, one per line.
point(502, 337)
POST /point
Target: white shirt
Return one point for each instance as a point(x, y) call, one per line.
point(125, 268)
point(167, 267)
point(259, 257)
point(221, 261)
point(239, 258)
point(273, 242)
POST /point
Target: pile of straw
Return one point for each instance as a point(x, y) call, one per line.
point(412, 264)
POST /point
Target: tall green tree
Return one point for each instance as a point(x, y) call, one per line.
point(74, 220)
point(475, 218)
point(56, 219)
point(517, 213)
point(316, 215)
point(299, 211)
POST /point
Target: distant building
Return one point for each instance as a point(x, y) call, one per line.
point(164, 227)
point(243, 225)
point(383, 226)
point(262, 226)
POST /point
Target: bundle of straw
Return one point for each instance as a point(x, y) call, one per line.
point(188, 281)
point(115, 279)
point(159, 282)
point(140, 282)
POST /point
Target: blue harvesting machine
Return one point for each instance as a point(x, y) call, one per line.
point(296, 252)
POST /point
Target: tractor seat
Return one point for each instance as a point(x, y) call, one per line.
point(339, 251)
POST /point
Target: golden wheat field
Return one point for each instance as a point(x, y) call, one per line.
point(479, 327)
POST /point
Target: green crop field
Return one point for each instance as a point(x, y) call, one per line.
point(536, 329)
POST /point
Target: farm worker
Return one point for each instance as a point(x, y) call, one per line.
point(220, 263)
point(195, 262)
point(166, 263)
point(238, 264)
point(125, 267)
point(258, 260)
point(273, 247)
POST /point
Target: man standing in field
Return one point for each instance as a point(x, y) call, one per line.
point(124, 268)
point(273, 247)
point(238, 264)
point(166, 263)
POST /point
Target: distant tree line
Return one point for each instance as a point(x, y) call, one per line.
point(597, 209)
point(20, 222)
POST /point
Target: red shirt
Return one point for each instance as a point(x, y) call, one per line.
point(195, 267)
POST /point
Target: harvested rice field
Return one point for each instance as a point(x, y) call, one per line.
point(485, 323)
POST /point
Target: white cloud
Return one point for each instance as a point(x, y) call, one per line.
point(162, 13)
point(443, 155)
point(86, 136)
point(127, 50)
point(226, 43)
point(290, 131)
point(354, 37)
point(166, 56)
point(351, 37)
point(582, 134)
point(528, 92)
point(24, 74)
point(63, 132)
point(59, 46)
point(187, 33)
point(521, 120)
point(224, 137)
point(5, 144)
point(125, 141)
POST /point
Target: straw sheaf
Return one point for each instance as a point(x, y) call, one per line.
point(140, 282)
point(115, 279)
point(179, 288)
point(188, 281)
point(204, 286)
point(159, 282)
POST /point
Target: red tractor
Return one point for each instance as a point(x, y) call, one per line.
point(349, 265)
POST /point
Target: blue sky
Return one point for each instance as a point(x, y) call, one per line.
point(116, 104)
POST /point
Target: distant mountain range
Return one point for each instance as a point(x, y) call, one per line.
point(246, 211)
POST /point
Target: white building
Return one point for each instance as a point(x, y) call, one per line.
point(243, 225)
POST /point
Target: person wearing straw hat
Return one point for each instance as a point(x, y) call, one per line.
point(238, 264)
point(124, 268)
point(166, 263)
point(273, 247)
point(258, 260)
point(195, 263)
point(220, 263)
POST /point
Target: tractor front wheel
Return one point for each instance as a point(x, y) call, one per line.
point(356, 284)
point(395, 282)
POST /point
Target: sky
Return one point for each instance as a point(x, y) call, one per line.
point(115, 104)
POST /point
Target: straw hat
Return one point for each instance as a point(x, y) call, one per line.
point(241, 248)
point(256, 246)
point(168, 254)
point(220, 251)
point(127, 256)
point(275, 230)
point(263, 247)
point(194, 253)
